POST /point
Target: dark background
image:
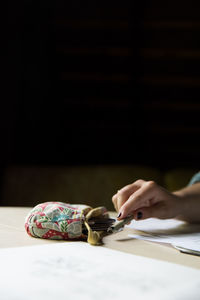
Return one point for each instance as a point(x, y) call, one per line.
point(101, 82)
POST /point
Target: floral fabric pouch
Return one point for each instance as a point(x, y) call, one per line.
point(62, 221)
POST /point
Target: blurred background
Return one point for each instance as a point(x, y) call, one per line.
point(98, 93)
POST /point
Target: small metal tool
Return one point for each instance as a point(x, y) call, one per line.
point(118, 225)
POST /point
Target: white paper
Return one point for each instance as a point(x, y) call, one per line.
point(182, 239)
point(154, 225)
point(169, 231)
point(80, 271)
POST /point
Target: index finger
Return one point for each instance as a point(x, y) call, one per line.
point(143, 197)
point(123, 194)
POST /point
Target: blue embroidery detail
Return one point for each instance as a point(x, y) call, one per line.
point(61, 217)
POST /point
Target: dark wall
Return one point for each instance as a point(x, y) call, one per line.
point(101, 82)
point(170, 80)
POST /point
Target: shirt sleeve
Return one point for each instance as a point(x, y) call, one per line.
point(195, 179)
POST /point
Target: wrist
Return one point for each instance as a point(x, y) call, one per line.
point(182, 205)
point(189, 203)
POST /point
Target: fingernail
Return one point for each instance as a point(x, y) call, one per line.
point(139, 215)
point(119, 215)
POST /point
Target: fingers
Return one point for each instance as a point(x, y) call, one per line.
point(123, 195)
point(114, 201)
point(145, 196)
point(159, 210)
point(146, 199)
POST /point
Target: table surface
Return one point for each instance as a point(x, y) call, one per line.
point(13, 234)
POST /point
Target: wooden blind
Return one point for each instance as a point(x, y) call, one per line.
point(104, 82)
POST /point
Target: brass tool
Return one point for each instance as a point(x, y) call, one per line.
point(118, 225)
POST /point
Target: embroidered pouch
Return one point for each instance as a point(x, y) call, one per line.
point(58, 220)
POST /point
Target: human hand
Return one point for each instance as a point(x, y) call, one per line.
point(146, 199)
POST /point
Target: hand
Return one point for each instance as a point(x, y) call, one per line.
point(146, 199)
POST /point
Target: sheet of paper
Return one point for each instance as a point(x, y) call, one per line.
point(80, 271)
point(189, 245)
point(154, 225)
point(182, 239)
point(168, 231)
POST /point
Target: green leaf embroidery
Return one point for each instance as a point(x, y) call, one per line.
point(43, 219)
point(63, 226)
point(67, 211)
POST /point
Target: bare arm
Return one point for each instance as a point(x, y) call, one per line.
point(191, 198)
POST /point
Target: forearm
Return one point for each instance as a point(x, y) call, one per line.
point(190, 203)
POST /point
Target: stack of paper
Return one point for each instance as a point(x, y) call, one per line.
point(177, 233)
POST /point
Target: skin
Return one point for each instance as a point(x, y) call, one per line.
point(146, 199)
